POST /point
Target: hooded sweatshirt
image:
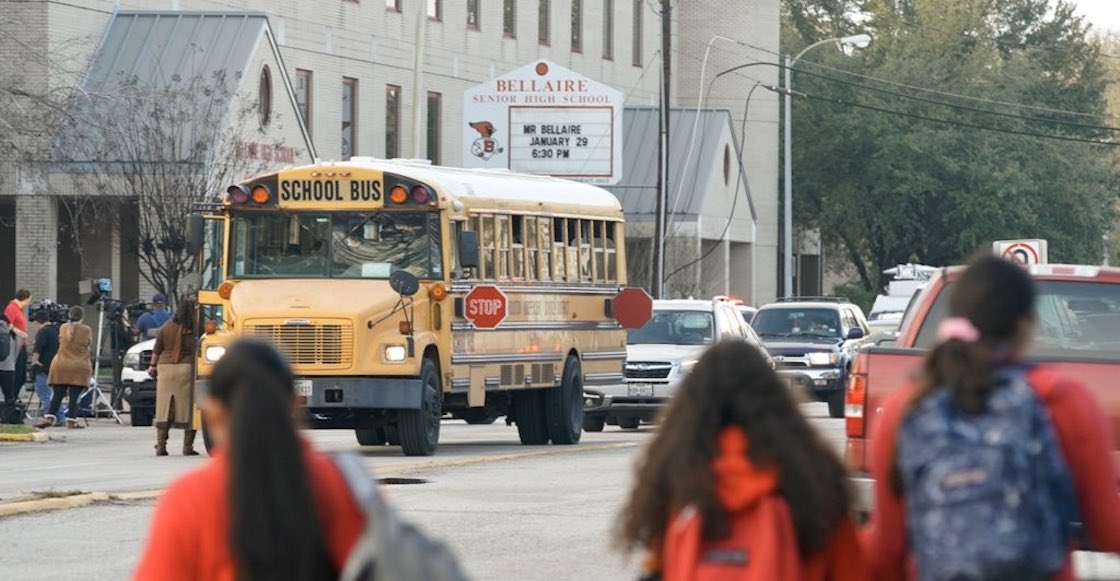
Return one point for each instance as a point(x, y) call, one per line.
point(762, 531)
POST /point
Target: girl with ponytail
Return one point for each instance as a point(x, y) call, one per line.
point(266, 506)
point(984, 338)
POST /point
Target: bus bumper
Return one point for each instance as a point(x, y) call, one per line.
point(352, 393)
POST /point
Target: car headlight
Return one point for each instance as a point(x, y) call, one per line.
point(684, 368)
point(823, 359)
point(395, 353)
point(213, 353)
point(132, 360)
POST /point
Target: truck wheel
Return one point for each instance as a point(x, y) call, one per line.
point(392, 436)
point(563, 406)
point(370, 436)
point(140, 417)
point(836, 404)
point(475, 416)
point(528, 412)
point(419, 429)
point(629, 422)
point(594, 423)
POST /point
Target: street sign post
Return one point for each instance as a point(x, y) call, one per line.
point(632, 307)
point(486, 306)
point(1025, 252)
point(545, 119)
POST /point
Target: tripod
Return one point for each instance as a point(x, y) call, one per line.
point(95, 381)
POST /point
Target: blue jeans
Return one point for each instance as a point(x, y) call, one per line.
point(45, 394)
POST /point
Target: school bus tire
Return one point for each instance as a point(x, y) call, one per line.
point(563, 405)
point(528, 413)
point(419, 429)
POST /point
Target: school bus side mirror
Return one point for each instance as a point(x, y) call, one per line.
point(197, 233)
point(468, 249)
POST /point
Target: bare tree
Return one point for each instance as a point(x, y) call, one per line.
point(167, 149)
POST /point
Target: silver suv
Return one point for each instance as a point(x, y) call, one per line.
point(659, 355)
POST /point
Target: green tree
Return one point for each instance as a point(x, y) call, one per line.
point(884, 187)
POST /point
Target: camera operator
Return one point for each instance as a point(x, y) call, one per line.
point(150, 322)
point(43, 352)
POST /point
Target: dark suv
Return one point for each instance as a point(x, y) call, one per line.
point(812, 341)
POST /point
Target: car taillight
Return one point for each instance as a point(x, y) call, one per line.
point(856, 406)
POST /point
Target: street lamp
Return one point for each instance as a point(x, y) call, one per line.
point(856, 41)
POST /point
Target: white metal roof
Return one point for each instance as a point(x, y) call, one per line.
point(682, 305)
point(496, 185)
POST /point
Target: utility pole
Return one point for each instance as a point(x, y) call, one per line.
point(418, 78)
point(663, 151)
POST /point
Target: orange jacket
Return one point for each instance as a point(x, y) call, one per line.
point(189, 540)
point(762, 522)
point(1086, 442)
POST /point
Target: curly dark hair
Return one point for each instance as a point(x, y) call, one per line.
point(733, 385)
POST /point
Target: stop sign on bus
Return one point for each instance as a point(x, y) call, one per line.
point(485, 306)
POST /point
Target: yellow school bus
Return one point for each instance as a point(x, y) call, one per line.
point(401, 292)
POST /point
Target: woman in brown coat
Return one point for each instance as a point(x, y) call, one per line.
point(172, 360)
point(70, 371)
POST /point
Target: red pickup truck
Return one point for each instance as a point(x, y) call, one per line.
point(1077, 331)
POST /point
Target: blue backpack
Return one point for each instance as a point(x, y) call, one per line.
point(988, 496)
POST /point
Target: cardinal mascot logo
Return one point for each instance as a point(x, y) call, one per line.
point(485, 146)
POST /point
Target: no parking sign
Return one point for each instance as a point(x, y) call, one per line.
point(1025, 252)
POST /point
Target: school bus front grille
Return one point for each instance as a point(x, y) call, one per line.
point(325, 344)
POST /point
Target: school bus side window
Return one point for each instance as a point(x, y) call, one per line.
point(485, 228)
point(586, 266)
point(517, 231)
point(610, 251)
point(559, 249)
point(544, 243)
point(501, 240)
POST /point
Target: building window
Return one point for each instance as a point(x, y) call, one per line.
point(544, 22)
point(509, 19)
point(577, 25)
point(472, 14)
point(608, 29)
point(303, 96)
point(435, 9)
point(394, 5)
point(637, 26)
point(264, 97)
point(434, 133)
point(392, 121)
point(349, 116)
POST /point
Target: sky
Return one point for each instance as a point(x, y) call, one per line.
point(1102, 14)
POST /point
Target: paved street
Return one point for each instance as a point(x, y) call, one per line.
point(511, 512)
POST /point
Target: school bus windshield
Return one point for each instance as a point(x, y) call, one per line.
point(336, 245)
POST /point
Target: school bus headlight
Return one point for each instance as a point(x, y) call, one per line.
point(395, 353)
point(214, 352)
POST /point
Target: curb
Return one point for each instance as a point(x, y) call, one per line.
point(31, 437)
point(82, 500)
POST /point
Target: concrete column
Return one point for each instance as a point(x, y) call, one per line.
point(36, 245)
point(742, 272)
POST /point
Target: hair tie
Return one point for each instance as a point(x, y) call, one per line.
point(958, 328)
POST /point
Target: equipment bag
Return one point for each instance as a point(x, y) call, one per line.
point(988, 496)
point(12, 412)
point(390, 548)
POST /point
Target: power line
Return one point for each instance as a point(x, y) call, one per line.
point(961, 107)
point(964, 123)
point(927, 89)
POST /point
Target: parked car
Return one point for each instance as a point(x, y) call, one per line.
point(139, 387)
point(812, 341)
point(659, 355)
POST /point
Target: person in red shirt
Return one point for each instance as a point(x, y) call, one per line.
point(266, 506)
point(990, 324)
point(16, 312)
point(738, 485)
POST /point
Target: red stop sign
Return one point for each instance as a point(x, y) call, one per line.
point(485, 306)
point(633, 307)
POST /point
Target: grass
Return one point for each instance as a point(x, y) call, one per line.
point(52, 493)
point(16, 429)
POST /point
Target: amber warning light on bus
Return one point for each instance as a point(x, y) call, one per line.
point(632, 307)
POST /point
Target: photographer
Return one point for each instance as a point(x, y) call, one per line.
point(151, 321)
point(45, 348)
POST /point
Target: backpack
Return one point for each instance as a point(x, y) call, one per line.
point(988, 496)
point(389, 548)
point(5, 343)
point(762, 546)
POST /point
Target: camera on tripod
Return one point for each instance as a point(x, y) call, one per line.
point(56, 313)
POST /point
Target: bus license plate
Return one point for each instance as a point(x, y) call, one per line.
point(303, 387)
point(640, 390)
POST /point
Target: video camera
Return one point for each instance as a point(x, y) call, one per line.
point(56, 313)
